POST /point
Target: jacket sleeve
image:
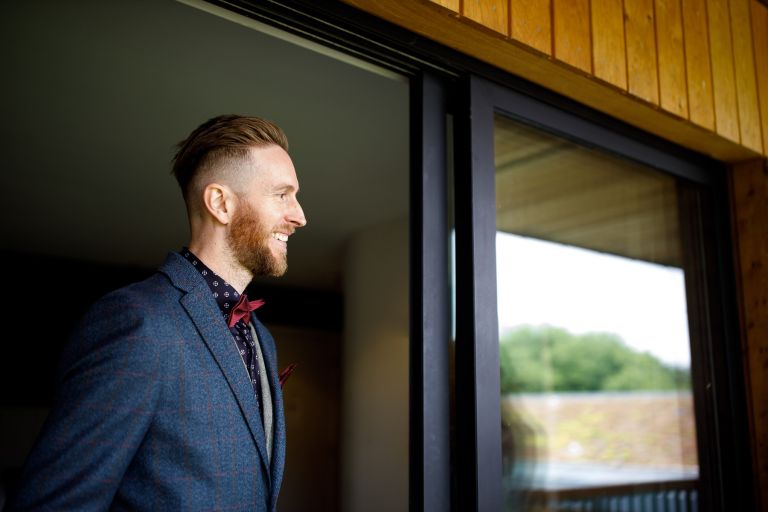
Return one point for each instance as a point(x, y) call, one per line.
point(110, 382)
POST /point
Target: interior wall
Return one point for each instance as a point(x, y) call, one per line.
point(375, 365)
point(311, 399)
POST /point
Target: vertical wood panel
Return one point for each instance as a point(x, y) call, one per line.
point(572, 33)
point(673, 88)
point(698, 68)
point(749, 188)
point(746, 81)
point(572, 43)
point(493, 14)
point(608, 49)
point(760, 35)
point(723, 86)
point(642, 73)
point(532, 23)
point(452, 5)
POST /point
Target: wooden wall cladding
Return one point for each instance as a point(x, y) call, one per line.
point(749, 194)
point(492, 14)
point(531, 23)
point(704, 62)
point(642, 66)
point(608, 44)
point(698, 64)
point(745, 74)
point(760, 37)
point(452, 5)
point(573, 41)
point(723, 80)
point(673, 87)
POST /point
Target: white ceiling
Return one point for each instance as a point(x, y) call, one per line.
point(95, 94)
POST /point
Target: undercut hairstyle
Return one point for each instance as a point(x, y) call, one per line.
point(222, 138)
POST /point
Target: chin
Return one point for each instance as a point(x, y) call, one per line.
point(275, 268)
point(279, 264)
point(280, 270)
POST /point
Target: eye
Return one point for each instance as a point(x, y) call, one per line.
point(282, 196)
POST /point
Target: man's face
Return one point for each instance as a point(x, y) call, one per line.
point(267, 213)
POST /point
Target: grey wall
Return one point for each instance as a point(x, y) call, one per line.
point(375, 393)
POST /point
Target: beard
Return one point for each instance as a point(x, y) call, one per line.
point(249, 240)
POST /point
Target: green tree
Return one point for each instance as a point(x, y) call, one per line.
point(539, 359)
point(643, 372)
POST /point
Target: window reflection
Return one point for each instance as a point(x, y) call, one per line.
point(596, 402)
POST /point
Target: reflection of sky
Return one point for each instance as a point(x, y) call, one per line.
point(587, 291)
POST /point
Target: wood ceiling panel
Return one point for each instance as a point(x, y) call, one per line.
point(555, 190)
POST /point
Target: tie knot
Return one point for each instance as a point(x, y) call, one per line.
point(242, 310)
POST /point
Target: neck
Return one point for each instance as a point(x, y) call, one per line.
point(219, 258)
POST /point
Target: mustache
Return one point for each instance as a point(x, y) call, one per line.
point(288, 230)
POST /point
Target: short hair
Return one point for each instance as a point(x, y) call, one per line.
point(219, 138)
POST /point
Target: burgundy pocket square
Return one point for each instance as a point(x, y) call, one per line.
point(286, 373)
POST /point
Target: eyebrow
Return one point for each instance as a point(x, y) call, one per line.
point(284, 187)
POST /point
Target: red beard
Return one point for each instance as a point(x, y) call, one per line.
point(249, 239)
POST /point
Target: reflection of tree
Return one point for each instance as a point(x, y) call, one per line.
point(545, 359)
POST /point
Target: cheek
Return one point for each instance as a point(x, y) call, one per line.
point(272, 217)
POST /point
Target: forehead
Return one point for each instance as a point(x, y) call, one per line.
point(271, 166)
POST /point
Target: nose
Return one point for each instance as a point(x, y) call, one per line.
point(296, 215)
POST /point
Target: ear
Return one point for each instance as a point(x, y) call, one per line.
point(219, 202)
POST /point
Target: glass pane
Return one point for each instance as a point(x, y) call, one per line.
point(597, 409)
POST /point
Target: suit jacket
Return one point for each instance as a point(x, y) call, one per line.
point(155, 410)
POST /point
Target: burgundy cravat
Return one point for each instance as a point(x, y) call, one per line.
point(243, 310)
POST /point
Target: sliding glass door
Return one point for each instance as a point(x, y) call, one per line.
point(588, 325)
point(594, 352)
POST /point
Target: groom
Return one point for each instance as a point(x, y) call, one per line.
point(169, 397)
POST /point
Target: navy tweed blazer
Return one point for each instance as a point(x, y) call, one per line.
point(155, 410)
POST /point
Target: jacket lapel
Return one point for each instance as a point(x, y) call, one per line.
point(204, 312)
point(278, 445)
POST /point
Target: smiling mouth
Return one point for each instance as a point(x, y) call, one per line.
point(282, 237)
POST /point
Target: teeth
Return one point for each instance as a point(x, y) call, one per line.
point(280, 236)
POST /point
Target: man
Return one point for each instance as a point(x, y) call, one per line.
point(169, 396)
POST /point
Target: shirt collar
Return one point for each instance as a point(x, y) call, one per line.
point(225, 294)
